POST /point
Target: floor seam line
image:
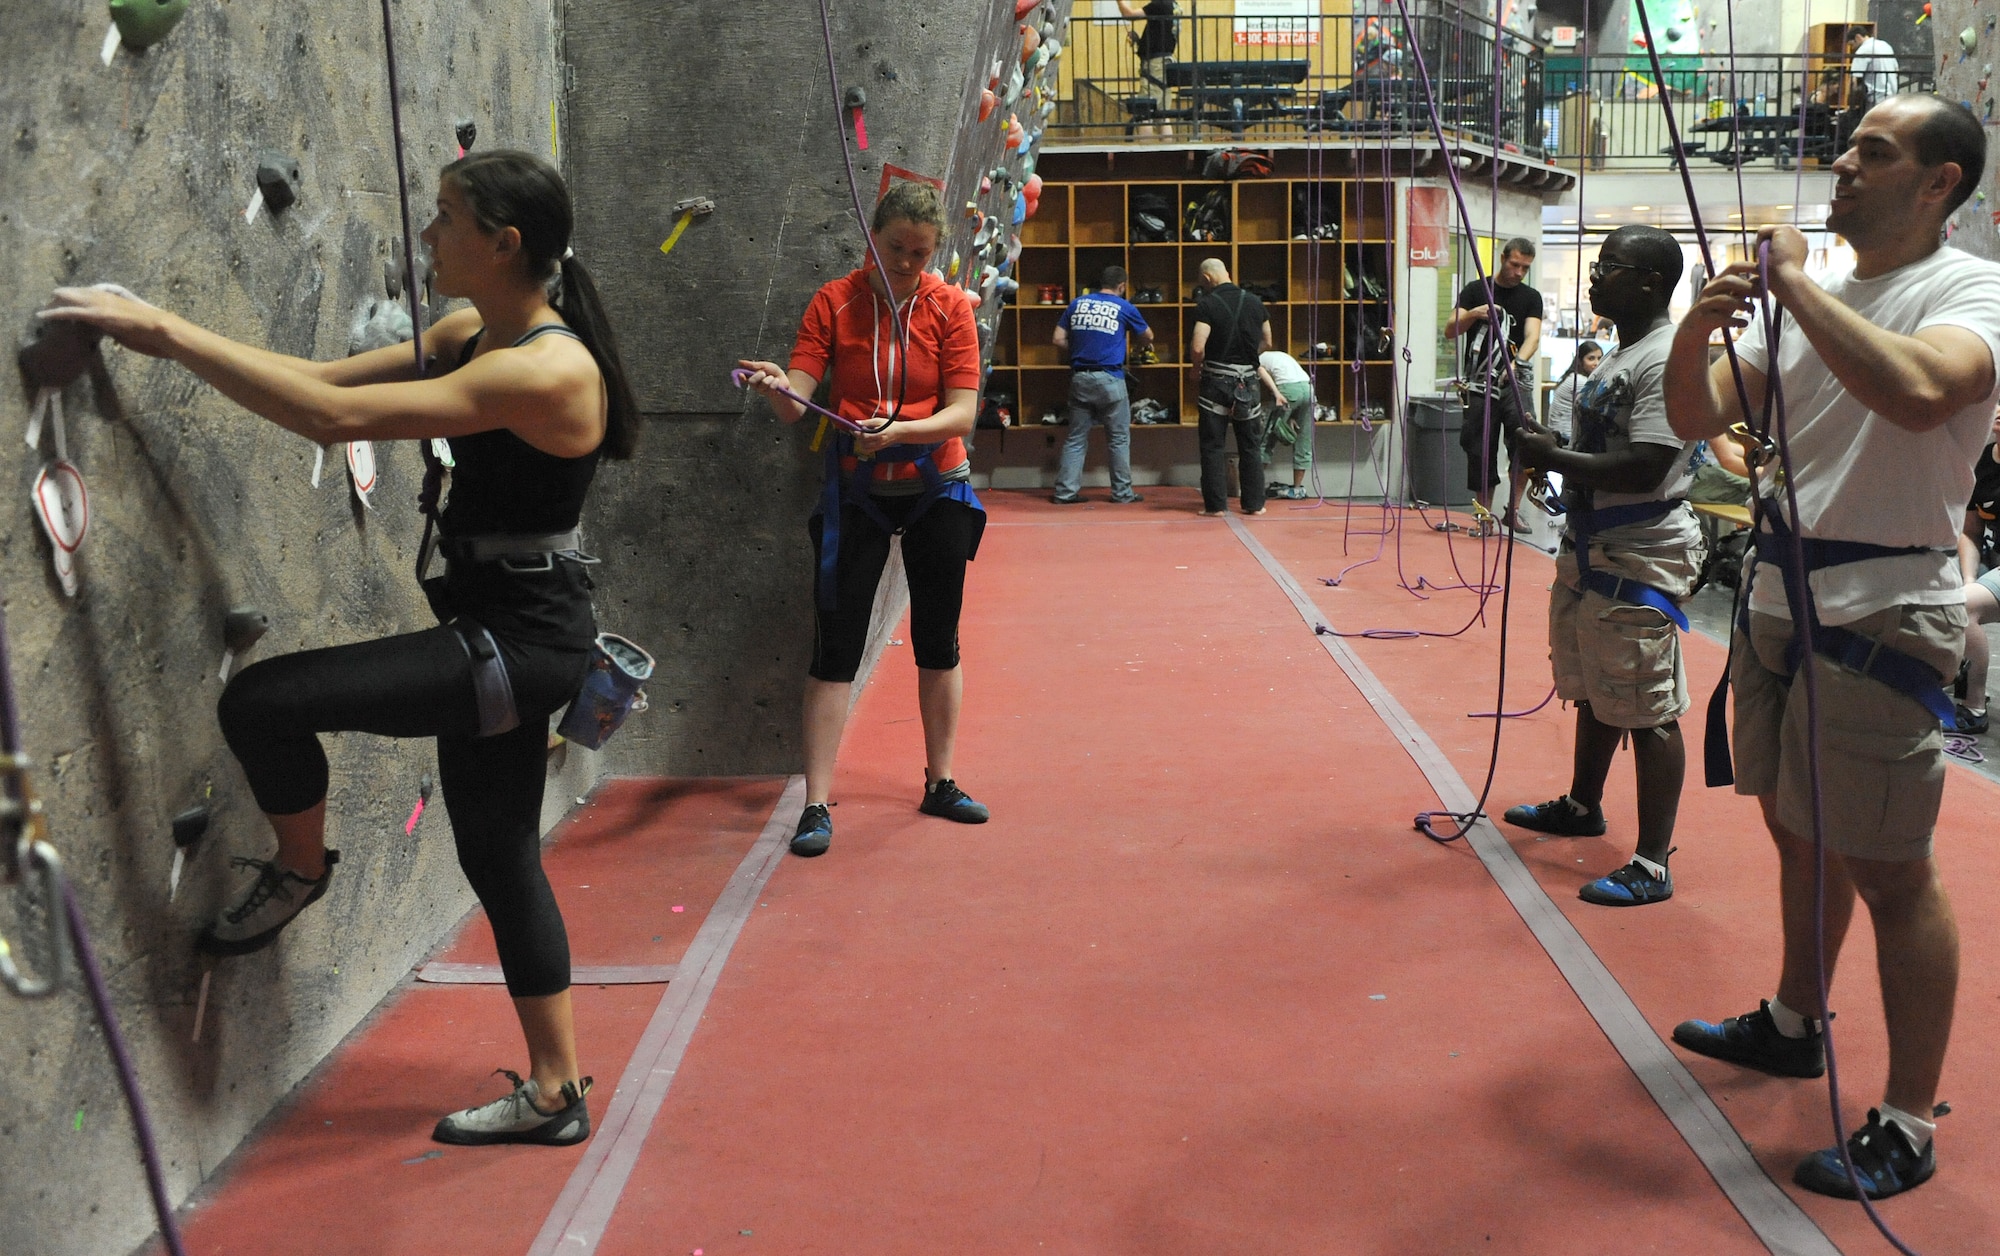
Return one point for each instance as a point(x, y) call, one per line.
point(583, 1212)
point(1772, 1215)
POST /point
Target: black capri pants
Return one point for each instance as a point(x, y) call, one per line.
point(1480, 441)
point(420, 685)
point(936, 548)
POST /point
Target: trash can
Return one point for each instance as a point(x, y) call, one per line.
point(1437, 464)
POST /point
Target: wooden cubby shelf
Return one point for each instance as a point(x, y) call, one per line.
point(1319, 292)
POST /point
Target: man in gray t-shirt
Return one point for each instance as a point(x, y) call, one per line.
point(1629, 557)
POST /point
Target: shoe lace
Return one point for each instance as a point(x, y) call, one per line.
point(270, 882)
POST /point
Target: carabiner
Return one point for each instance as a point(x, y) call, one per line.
point(39, 862)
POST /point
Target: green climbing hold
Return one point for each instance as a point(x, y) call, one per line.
point(1968, 39)
point(143, 23)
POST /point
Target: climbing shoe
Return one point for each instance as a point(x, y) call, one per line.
point(1970, 722)
point(1634, 885)
point(1753, 1041)
point(945, 798)
point(1558, 816)
point(254, 921)
point(815, 831)
point(514, 1118)
point(1882, 1157)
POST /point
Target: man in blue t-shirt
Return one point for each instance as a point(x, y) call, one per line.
point(1092, 332)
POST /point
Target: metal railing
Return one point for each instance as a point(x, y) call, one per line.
point(1265, 78)
point(1732, 111)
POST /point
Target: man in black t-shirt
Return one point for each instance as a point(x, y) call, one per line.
point(1231, 328)
point(1496, 371)
point(1155, 45)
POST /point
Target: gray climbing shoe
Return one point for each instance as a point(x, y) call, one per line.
point(255, 920)
point(514, 1118)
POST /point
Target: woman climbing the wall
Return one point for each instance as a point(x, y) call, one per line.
point(531, 393)
point(910, 477)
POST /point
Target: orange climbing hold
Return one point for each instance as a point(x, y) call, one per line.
point(987, 103)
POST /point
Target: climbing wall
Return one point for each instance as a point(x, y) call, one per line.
point(140, 167)
point(731, 104)
point(1966, 34)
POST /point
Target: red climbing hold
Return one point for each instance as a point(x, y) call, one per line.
point(1023, 7)
point(1031, 39)
point(987, 102)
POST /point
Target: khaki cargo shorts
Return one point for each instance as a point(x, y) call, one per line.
point(1624, 660)
point(1881, 753)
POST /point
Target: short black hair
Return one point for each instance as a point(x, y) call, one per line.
point(1111, 278)
point(1519, 244)
point(1651, 248)
point(1951, 133)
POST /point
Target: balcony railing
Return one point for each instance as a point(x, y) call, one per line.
point(1276, 79)
point(1740, 111)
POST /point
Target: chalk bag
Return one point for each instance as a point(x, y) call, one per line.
point(610, 691)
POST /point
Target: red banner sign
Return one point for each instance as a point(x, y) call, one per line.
point(1427, 226)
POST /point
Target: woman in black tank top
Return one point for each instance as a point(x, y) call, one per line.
point(534, 396)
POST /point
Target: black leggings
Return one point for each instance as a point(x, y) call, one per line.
point(935, 550)
point(420, 685)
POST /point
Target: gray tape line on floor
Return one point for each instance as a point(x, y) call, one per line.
point(583, 1211)
point(1776, 1219)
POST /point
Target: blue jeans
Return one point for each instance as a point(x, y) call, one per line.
point(1097, 397)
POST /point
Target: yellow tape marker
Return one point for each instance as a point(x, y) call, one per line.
point(555, 145)
point(687, 217)
point(819, 437)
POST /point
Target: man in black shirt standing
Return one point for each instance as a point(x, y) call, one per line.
point(1492, 367)
point(1230, 329)
point(1155, 46)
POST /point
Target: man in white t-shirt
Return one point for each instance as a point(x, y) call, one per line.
point(1290, 419)
point(1872, 62)
point(1889, 385)
point(1631, 554)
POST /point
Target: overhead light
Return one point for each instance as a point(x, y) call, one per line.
point(1643, 208)
point(1601, 214)
point(1567, 222)
point(1734, 214)
point(1784, 207)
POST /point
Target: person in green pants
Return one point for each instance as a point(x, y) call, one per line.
point(1291, 418)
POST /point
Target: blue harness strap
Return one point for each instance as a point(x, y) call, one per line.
point(841, 488)
point(1584, 524)
point(1909, 676)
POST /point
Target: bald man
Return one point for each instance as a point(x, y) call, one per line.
point(1231, 329)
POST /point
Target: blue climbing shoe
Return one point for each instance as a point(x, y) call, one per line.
point(815, 831)
point(1753, 1041)
point(1882, 1157)
point(1634, 885)
point(945, 798)
point(1558, 816)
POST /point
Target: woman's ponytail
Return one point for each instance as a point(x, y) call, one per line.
point(577, 301)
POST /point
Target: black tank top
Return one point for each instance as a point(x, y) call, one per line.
point(502, 484)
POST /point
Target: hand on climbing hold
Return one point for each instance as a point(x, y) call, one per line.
point(118, 314)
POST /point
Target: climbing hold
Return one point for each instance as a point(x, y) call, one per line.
point(1014, 132)
point(1968, 39)
point(241, 629)
point(1031, 39)
point(1024, 7)
point(987, 103)
point(1040, 59)
point(143, 23)
point(951, 271)
point(361, 470)
point(278, 178)
point(187, 829)
point(972, 209)
point(62, 505)
point(466, 131)
point(1923, 17)
point(1034, 187)
point(985, 184)
point(57, 352)
point(854, 100)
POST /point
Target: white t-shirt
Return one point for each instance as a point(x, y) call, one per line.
point(1860, 477)
point(1284, 368)
point(1623, 404)
point(1875, 65)
point(1562, 403)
